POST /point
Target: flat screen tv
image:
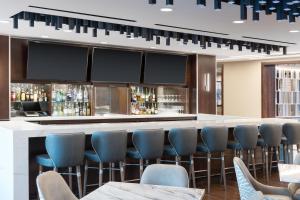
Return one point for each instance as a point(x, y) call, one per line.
point(116, 66)
point(165, 69)
point(57, 62)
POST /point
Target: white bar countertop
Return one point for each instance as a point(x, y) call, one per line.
point(15, 135)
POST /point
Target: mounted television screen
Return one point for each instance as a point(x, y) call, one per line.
point(165, 69)
point(116, 66)
point(57, 62)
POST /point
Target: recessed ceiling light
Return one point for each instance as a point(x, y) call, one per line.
point(294, 31)
point(238, 22)
point(166, 9)
point(152, 47)
point(103, 42)
point(4, 21)
point(44, 36)
point(67, 31)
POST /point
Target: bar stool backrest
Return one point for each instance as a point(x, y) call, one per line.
point(215, 138)
point(271, 133)
point(66, 150)
point(292, 132)
point(184, 140)
point(149, 143)
point(110, 146)
point(246, 135)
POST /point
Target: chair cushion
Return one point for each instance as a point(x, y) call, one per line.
point(202, 148)
point(260, 142)
point(276, 197)
point(234, 145)
point(133, 153)
point(169, 150)
point(44, 160)
point(91, 155)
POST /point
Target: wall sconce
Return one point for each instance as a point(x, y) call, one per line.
point(207, 82)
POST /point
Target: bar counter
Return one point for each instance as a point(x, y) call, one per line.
point(16, 135)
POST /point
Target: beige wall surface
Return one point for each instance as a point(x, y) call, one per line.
point(242, 88)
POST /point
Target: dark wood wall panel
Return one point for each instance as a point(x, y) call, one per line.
point(268, 91)
point(4, 78)
point(191, 79)
point(206, 99)
point(19, 51)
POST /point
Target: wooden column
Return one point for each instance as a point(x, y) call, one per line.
point(206, 84)
point(4, 78)
point(268, 91)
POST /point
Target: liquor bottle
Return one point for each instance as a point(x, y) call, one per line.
point(13, 94)
point(79, 94)
point(83, 109)
point(31, 94)
point(65, 109)
point(85, 95)
point(80, 109)
point(23, 95)
point(88, 109)
point(27, 95)
point(76, 108)
point(153, 95)
point(35, 95)
point(69, 95)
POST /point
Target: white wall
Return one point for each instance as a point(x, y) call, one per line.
point(242, 88)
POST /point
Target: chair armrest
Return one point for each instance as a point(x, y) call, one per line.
point(293, 187)
point(266, 189)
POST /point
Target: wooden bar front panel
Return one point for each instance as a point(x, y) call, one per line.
point(4, 78)
point(268, 91)
point(206, 96)
point(19, 51)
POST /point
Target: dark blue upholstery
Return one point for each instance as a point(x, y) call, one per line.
point(292, 132)
point(271, 134)
point(170, 150)
point(149, 143)
point(214, 139)
point(260, 142)
point(133, 153)
point(91, 155)
point(110, 146)
point(234, 145)
point(44, 160)
point(183, 140)
point(64, 150)
point(246, 136)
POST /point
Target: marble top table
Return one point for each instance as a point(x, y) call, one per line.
point(133, 191)
point(289, 173)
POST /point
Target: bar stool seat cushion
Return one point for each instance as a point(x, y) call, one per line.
point(133, 153)
point(260, 142)
point(169, 150)
point(202, 148)
point(44, 160)
point(91, 155)
point(234, 145)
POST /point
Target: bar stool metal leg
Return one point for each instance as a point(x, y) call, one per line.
point(253, 162)
point(248, 158)
point(271, 160)
point(267, 164)
point(177, 159)
point(208, 171)
point(223, 170)
point(78, 173)
point(113, 171)
point(277, 155)
point(40, 169)
point(86, 168)
point(122, 174)
point(192, 170)
point(100, 174)
point(70, 178)
point(141, 167)
point(158, 161)
point(263, 159)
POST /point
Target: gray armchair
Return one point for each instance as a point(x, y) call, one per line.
point(251, 189)
point(294, 188)
point(51, 186)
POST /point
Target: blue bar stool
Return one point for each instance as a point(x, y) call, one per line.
point(271, 135)
point(183, 142)
point(148, 145)
point(246, 137)
point(214, 141)
point(64, 151)
point(292, 133)
point(109, 147)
